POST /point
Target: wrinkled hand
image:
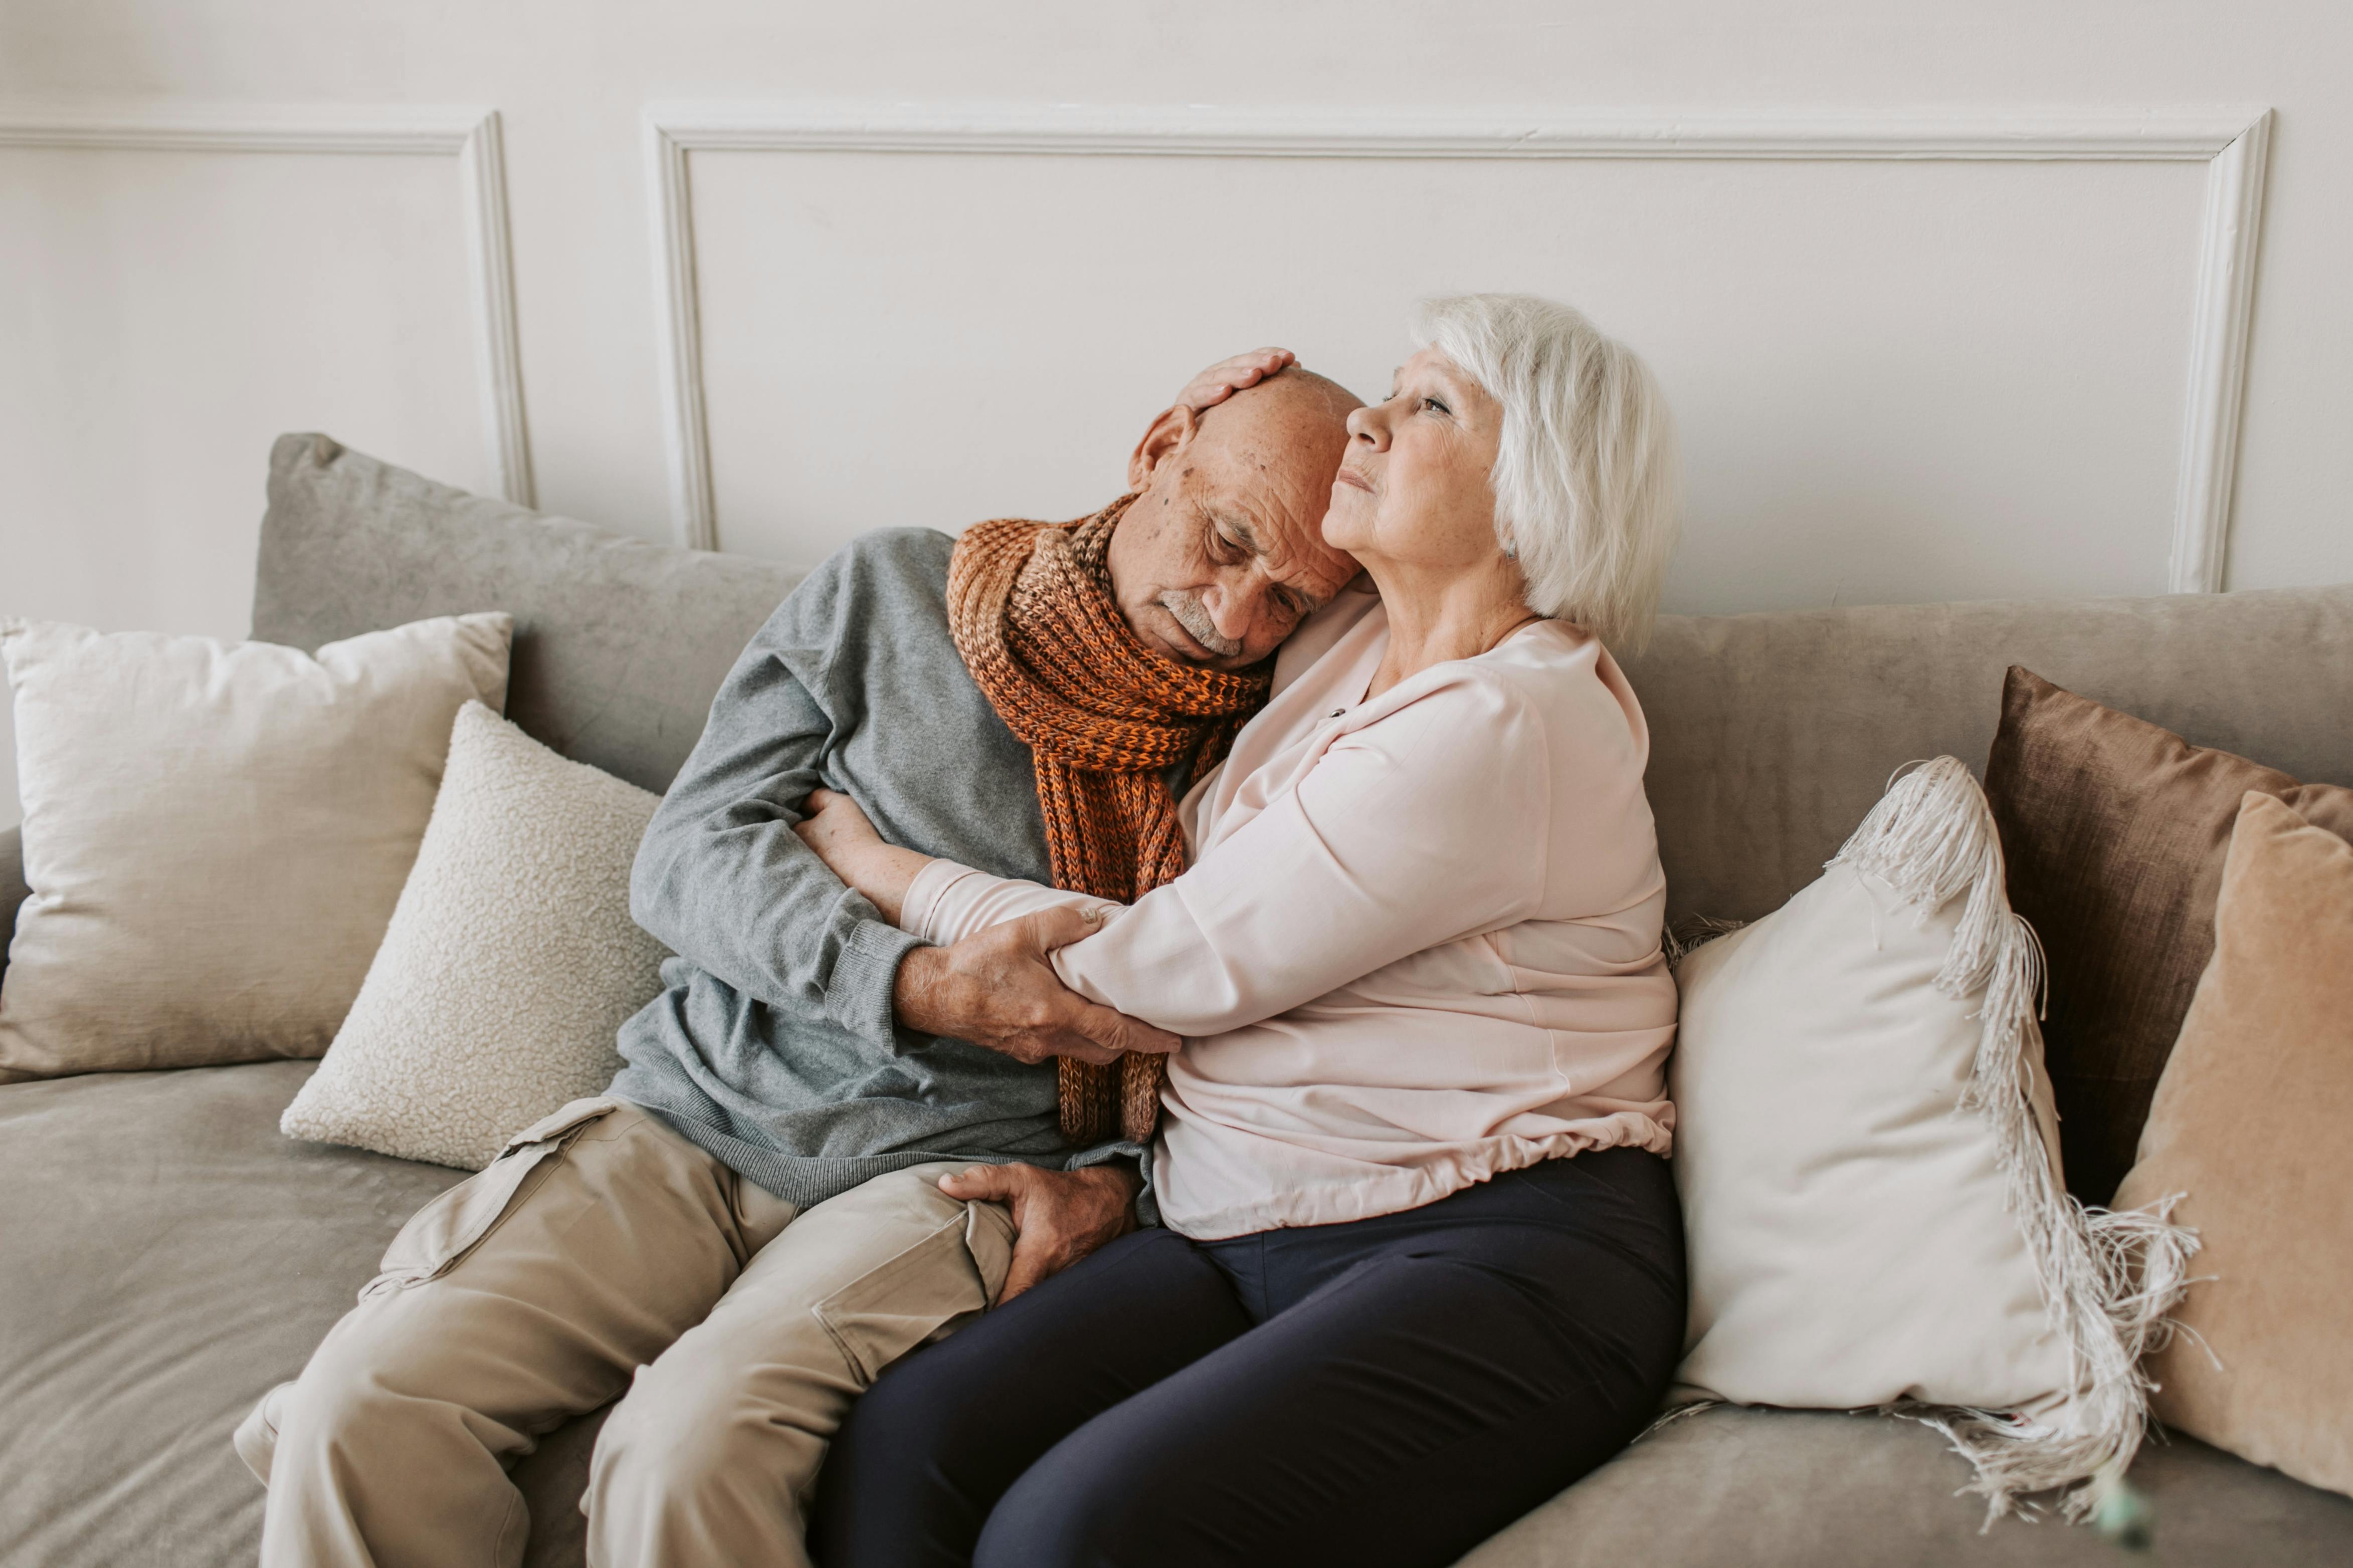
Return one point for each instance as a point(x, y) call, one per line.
point(1227, 376)
point(997, 989)
point(1059, 1217)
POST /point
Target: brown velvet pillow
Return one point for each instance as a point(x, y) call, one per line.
point(2248, 1124)
point(2115, 832)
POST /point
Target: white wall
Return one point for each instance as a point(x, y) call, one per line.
point(1947, 380)
point(1898, 379)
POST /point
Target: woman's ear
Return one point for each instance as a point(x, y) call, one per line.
point(1169, 434)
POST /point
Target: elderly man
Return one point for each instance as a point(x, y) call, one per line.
point(779, 1194)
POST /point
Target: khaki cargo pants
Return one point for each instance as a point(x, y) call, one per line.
point(603, 1253)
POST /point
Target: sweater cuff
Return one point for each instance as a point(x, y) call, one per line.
point(865, 972)
point(1148, 1198)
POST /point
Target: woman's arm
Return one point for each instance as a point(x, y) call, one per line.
point(1429, 826)
point(948, 902)
point(937, 900)
point(844, 838)
point(987, 991)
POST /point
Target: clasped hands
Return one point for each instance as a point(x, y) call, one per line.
point(998, 988)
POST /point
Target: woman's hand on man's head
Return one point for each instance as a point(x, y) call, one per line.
point(1230, 375)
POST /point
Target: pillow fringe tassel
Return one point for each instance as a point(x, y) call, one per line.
point(2108, 1279)
point(1688, 935)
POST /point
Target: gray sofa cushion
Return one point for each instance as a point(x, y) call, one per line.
point(165, 1258)
point(1751, 1488)
point(169, 1257)
point(618, 646)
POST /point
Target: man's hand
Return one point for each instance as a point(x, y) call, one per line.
point(1059, 1217)
point(1227, 376)
point(997, 988)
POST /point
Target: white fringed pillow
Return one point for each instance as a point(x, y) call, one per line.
point(510, 963)
point(1868, 1159)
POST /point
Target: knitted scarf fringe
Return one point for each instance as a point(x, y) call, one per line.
point(2108, 1279)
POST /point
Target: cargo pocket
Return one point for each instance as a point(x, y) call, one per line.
point(922, 1294)
point(437, 1238)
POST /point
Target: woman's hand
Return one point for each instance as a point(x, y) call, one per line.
point(996, 988)
point(1227, 376)
point(832, 824)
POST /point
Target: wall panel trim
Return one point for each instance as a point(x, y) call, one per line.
point(2231, 143)
point(470, 135)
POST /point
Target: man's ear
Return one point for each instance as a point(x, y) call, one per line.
point(1169, 434)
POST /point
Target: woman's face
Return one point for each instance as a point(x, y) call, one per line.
point(1413, 488)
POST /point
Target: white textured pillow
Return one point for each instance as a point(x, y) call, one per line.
point(216, 833)
point(1867, 1155)
point(510, 966)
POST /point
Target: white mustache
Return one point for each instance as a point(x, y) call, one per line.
point(1186, 607)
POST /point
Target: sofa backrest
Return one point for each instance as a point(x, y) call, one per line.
point(620, 644)
point(1771, 735)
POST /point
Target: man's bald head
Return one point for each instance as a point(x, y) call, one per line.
point(1293, 399)
point(1222, 553)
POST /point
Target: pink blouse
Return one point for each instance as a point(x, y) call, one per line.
point(1419, 944)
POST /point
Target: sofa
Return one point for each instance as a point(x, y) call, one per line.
point(166, 1254)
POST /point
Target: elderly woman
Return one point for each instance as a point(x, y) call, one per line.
point(1420, 1263)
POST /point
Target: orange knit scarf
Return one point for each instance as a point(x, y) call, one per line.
point(1104, 717)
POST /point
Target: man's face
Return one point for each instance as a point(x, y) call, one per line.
point(1222, 554)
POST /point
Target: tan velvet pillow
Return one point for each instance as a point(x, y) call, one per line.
point(2249, 1123)
point(2116, 833)
point(216, 833)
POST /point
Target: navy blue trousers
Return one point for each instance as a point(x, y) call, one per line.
point(1389, 1391)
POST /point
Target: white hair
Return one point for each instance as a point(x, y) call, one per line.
point(1585, 477)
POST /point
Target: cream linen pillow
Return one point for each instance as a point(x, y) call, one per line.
point(509, 965)
point(216, 833)
point(1865, 1149)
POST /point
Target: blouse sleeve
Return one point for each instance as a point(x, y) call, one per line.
point(1425, 826)
point(947, 902)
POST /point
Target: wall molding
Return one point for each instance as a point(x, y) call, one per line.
point(470, 135)
point(2222, 321)
point(2231, 142)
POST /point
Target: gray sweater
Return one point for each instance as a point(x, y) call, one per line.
point(774, 1046)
